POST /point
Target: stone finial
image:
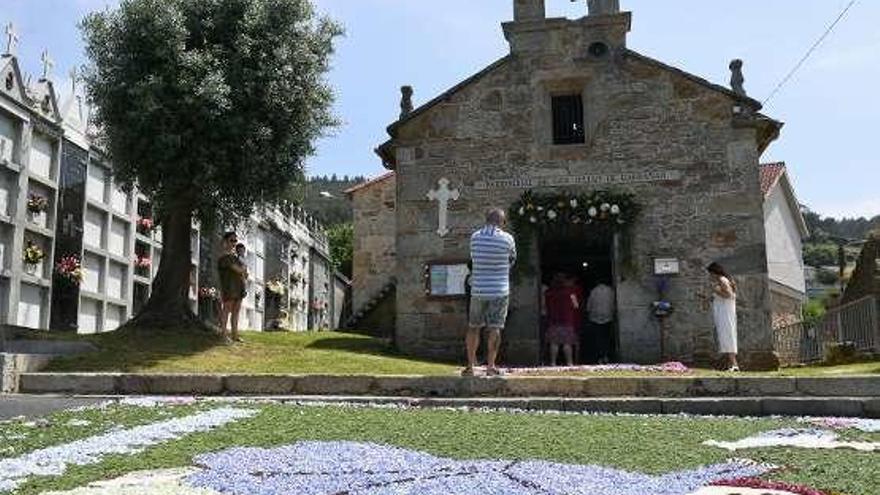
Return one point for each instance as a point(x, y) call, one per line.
point(736, 77)
point(529, 10)
point(406, 104)
point(48, 64)
point(11, 39)
point(603, 7)
point(74, 76)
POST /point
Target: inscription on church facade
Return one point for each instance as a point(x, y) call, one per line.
point(578, 180)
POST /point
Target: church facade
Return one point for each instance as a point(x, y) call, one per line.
point(572, 112)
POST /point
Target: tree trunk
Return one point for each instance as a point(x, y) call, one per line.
point(168, 306)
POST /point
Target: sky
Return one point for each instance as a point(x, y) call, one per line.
point(829, 107)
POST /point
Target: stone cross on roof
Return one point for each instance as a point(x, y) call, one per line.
point(11, 39)
point(48, 64)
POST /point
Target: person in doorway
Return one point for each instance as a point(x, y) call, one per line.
point(724, 314)
point(232, 274)
point(493, 252)
point(564, 300)
point(600, 309)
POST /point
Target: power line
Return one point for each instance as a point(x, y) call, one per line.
point(810, 51)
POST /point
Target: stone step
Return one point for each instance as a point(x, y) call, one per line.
point(447, 386)
point(863, 407)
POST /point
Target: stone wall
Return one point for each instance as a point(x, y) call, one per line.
point(640, 117)
point(865, 280)
point(786, 305)
point(374, 241)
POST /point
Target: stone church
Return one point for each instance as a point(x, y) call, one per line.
point(572, 111)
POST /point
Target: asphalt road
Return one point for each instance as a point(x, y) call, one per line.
point(33, 406)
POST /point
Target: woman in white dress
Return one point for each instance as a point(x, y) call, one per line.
point(724, 313)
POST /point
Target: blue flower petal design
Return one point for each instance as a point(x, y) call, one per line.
point(353, 468)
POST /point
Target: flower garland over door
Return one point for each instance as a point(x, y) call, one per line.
point(603, 211)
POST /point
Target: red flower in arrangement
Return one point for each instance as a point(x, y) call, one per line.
point(760, 484)
point(143, 262)
point(69, 268)
point(145, 224)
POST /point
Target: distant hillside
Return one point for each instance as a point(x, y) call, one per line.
point(331, 207)
point(822, 228)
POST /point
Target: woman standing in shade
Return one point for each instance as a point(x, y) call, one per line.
point(724, 313)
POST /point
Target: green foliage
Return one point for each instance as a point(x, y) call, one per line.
point(341, 240)
point(823, 228)
point(210, 107)
point(813, 311)
point(819, 255)
point(827, 277)
point(335, 208)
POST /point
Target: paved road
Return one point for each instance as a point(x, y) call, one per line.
point(33, 406)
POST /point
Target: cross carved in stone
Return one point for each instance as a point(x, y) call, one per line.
point(442, 195)
point(48, 64)
point(11, 39)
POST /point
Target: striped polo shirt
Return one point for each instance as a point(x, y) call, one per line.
point(493, 252)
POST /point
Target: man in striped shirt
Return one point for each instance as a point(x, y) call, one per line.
point(493, 252)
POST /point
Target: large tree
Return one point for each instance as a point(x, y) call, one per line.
point(209, 107)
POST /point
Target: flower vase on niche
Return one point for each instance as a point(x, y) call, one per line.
point(32, 268)
point(36, 209)
point(33, 259)
point(37, 218)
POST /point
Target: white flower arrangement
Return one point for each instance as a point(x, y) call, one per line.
point(605, 207)
point(573, 203)
point(615, 210)
point(592, 211)
point(551, 215)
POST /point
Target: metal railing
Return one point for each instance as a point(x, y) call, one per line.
point(856, 323)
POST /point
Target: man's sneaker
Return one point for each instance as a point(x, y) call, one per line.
point(467, 372)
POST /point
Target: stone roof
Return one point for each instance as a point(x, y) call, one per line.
point(364, 185)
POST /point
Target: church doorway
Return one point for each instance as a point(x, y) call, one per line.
point(586, 257)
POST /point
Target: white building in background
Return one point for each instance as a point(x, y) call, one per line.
point(785, 261)
point(47, 157)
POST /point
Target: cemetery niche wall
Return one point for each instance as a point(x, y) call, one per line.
point(571, 111)
point(78, 253)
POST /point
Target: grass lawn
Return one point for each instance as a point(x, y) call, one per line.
point(650, 445)
point(315, 352)
point(321, 352)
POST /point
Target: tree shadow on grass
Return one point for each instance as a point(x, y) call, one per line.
point(136, 349)
point(368, 346)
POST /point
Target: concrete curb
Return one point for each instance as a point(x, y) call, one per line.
point(448, 386)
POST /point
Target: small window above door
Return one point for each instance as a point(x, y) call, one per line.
point(568, 119)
